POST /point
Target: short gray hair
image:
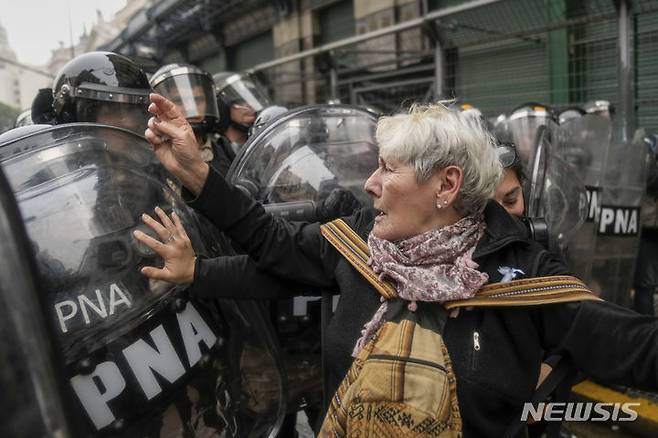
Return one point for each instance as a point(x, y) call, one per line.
point(432, 137)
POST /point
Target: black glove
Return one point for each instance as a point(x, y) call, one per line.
point(340, 202)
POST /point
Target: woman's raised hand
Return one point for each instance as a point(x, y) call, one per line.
point(174, 143)
point(175, 248)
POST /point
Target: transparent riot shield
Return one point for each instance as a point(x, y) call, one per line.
point(33, 397)
point(141, 357)
point(522, 128)
point(604, 249)
point(293, 166)
point(555, 193)
point(308, 152)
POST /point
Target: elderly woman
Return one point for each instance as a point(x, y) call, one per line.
point(439, 237)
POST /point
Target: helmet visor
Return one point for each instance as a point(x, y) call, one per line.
point(523, 129)
point(193, 93)
point(244, 90)
point(131, 116)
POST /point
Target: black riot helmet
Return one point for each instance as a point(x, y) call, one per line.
point(241, 91)
point(193, 90)
point(101, 87)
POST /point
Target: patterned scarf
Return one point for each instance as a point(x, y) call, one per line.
point(434, 266)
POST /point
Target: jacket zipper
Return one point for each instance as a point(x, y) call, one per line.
point(407, 359)
point(476, 342)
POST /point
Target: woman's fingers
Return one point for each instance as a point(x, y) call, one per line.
point(169, 128)
point(155, 273)
point(179, 225)
point(156, 226)
point(163, 107)
point(169, 225)
point(159, 247)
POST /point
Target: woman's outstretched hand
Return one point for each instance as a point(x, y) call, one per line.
point(174, 143)
point(175, 248)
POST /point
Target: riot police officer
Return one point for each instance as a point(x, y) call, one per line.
point(142, 358)
point(239, 99)
point(101, 87)
point(193, 90)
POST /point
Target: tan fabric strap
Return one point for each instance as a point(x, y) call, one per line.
point(525, 292)
point(355, 250)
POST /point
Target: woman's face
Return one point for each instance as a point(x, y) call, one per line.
point(407, 208)
point(509, 193)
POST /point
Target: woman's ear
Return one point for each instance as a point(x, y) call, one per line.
point(450, 181)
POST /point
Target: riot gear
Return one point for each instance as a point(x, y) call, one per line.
point(570, 113)
point(33, 402)
point(601, 107)
point(469, 110)
point(241, 91)
point(604, 250)
point(142, 357)
point(193, 90)
point(308, 164)
point(523, 124)
point(102, 87)
point(265, 117)
point(23, 119)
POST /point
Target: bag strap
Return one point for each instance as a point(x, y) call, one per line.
point(525, 292)
point(351, 246)
point(562, 371)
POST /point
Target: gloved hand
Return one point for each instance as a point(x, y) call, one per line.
point(339, 202)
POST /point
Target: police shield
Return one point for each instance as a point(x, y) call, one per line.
point(555, 193)
point(141, 357)
point(295, 163)
point(33, 400)
point(604, 250)
point(308, 164)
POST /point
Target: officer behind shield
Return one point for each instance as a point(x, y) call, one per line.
point(239, 98)
point(192, 89)
point(100, 87)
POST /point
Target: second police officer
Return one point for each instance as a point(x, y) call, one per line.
point(239, 99)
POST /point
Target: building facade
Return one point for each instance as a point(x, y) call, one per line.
point(493, 54)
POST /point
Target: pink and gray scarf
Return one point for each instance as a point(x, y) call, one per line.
point(434, 266)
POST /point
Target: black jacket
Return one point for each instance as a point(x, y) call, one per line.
point(607, 342)
point(223, 154)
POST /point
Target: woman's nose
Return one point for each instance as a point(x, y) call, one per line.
point(372, 185)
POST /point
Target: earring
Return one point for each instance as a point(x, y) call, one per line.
point(445, 202)
point(438, 205)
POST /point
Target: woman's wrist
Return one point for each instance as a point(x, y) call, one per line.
point(196, 179)
point(189, 277)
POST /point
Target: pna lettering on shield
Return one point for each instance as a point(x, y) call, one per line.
point(103, 305)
